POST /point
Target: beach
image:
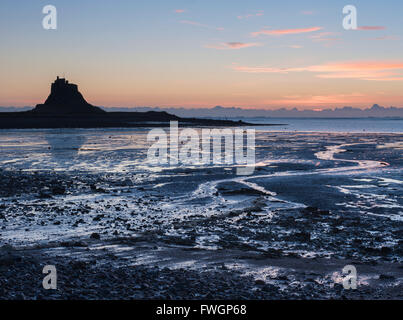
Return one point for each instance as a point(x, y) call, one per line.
point(86, 201)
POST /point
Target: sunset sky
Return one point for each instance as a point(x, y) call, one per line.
point(203, 53)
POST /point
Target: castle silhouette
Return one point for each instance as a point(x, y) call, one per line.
point(65, 98)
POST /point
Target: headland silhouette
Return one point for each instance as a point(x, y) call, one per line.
point(67, 108)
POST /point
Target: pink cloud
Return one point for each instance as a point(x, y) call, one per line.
point(180, 11)
point(371, 28)
point(232, 45)
point(360, 65)
point(317, 100)
point(285, 31)
point(361, 70)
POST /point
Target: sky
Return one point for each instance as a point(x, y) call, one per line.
point(202, 53)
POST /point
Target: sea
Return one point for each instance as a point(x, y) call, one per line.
point(356, 125)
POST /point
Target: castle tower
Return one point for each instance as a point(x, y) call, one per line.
point(65, 98)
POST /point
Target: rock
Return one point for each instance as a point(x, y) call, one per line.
point(386, 250)
point(7, 248)
point(8, 256)
point(74, 244)
point(386, 277)
point(98, 217)
point(78, 264)
point(272, 253)
point(310, 210)
point(95, 236)
point(303, 236)
point(260, 282)
point(44, 194)
point(58, 190)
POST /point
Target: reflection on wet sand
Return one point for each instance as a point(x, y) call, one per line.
point(65, 146)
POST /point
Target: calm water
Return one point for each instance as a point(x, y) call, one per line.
point(332, 125)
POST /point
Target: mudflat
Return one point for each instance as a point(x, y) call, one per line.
point(117, 228)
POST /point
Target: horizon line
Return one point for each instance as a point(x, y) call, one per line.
point(290, 108)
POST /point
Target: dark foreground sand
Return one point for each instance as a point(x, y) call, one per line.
point(96, 276)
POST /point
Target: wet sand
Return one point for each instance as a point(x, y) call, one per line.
point(316, 203)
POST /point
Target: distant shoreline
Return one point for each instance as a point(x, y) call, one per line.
point(375, 112)
point(28, 120)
